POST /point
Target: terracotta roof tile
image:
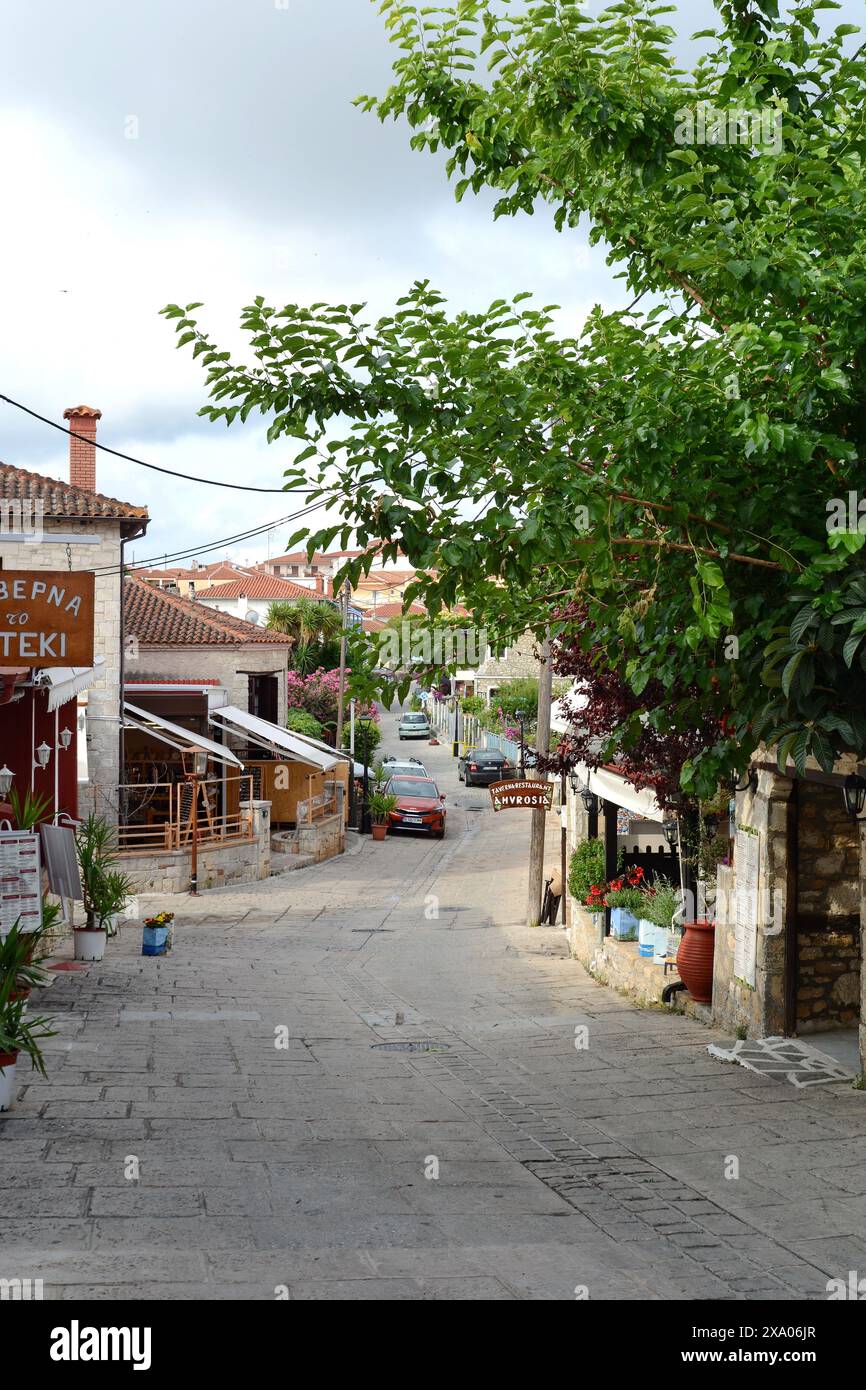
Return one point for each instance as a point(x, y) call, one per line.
point(63, 502)
point(268, 586)
point(160, 619)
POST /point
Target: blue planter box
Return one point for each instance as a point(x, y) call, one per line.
point(623, 924)
point(154, 941)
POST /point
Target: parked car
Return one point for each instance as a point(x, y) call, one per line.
point(414, 725)
point(419, 805)
point(404, 767)
point(478, 767)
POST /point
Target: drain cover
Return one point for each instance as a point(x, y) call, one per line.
point(410, 1047)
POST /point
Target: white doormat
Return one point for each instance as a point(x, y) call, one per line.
point(785, 1059)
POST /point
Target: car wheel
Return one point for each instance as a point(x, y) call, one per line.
point(440, 834)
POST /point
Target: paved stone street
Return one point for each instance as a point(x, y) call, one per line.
point(308, 1167)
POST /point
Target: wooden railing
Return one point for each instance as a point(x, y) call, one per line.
point(161, 816)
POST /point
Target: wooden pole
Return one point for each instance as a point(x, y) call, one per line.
point(539, 817)
point(193, 867)
point(341, 692)
point(563, 843)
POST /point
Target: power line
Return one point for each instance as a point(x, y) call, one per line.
point(209, 545)
point(155, 467)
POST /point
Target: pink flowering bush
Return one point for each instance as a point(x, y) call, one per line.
point(318, 694)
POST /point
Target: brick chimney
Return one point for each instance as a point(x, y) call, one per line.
point(82, 455)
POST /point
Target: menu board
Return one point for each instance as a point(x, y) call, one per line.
point(747, 858)
point(20, 881)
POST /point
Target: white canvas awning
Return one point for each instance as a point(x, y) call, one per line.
point(294, 746)
point(174, 735)
point(577, 699)
point(610, 786)
point(65, 682)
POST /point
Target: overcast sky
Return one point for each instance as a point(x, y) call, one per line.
point(209, 150)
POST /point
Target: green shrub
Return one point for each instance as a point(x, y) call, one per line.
point(661, 903)
point(631, 899)
point(300, 721)
point(586, 869)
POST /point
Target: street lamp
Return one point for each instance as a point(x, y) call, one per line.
point(6, 775)
point(366, 724)
point(43, 755)
point(65, 737)
point(853, 792)
point(520, 716)
point(671, 831)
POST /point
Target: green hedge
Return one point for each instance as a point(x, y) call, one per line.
point(586, 869)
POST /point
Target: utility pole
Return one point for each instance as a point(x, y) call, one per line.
point(341, 694)
point(539, 817)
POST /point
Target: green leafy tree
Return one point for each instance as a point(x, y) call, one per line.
point(315, 626)
point(666, 489)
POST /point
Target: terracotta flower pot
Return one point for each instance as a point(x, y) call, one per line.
point(379, 831)
point(695, 959)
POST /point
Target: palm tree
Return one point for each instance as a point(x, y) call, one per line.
point(314, 623)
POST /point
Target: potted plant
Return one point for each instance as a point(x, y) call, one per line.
point(18, 1034)
point(626, 898)
point(17, 970)
point(106, 889)
point(156, 936)
point(380, 806)
point(661, 903)
point(586, 872)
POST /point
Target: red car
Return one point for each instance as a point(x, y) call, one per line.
point(419, 805)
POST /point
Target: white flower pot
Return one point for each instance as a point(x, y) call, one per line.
point(89, 943)
point(8, 1089)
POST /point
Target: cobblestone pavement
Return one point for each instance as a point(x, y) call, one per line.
point(306, 1169)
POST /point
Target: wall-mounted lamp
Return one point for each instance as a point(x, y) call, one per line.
point(750, 784)
point(671, 831)
point(43, 755)
point(853, 791)
point(65, 738)
point(6, 775)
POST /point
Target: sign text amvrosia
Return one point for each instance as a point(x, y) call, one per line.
point(530, 795)
point(46, 618)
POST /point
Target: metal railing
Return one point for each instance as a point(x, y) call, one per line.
point(162, 816)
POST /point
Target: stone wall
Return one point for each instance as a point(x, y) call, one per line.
point(615, 963)
point(759, 1010)
point(828, 935)
point(99, 794)
point(239, 861)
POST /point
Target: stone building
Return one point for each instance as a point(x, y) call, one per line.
point(788, 926)
point(517, 662)
point(73, 527)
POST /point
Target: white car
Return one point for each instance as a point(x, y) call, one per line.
point(404, 767)
point(414, 725)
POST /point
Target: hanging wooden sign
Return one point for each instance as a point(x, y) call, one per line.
point(46, 618)
point(525, 794)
